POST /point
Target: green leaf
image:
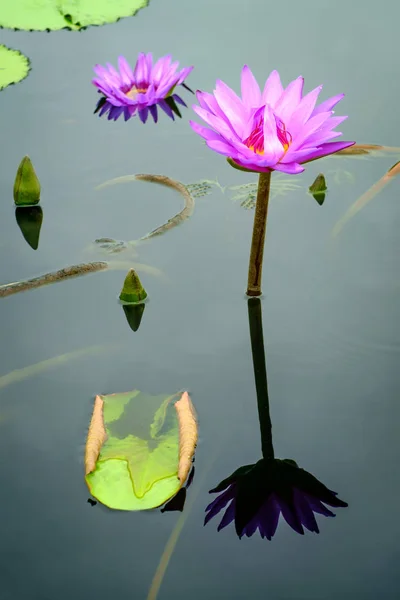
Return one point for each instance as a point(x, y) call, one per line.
point(14, 66)
point(137, 467)
point(159, 417)
point(32, 14)
point(99, 12)
point(44, 15)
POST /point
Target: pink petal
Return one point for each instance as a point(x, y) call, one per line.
point(290, 168)
point(273, 149)
point(204, 132)
point(184, 74)
point(309, 128)
point(231, 105)
point(173, 67)
point(140, 70)
point(220, 147)
point(324, 133)
point(322, 136)
point(125, 71)
point(149, 64)
point(112, 70)
point(298, 156)
point(329, 148)
point(289, 100)
point(303, 111)
point(208, 102)
point(327, 105)
point(272, 90)
point(160, 67)
point(252, 166)
point(104, 87)
point(216, 123)
point(251, 94)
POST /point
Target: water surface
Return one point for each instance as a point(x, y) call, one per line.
point(331, 312)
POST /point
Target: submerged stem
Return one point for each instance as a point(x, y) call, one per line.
point(260, 375)
point(259, 229)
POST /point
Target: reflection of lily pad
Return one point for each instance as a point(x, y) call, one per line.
point(57, 14)
point(134, 449)
point(14, 66)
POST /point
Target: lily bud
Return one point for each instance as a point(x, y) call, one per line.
point(27, 185)
point(132, 290)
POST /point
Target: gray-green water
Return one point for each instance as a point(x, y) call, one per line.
point(331, 311)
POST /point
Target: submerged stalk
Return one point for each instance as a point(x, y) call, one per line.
point(260, 376)
point(259, 229)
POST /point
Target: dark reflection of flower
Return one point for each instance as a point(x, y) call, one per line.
point(140, 90)
point(255, 495)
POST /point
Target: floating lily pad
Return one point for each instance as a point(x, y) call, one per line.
point(44, 15)
point(14, 66)
point(138, 448)
point(83, 13)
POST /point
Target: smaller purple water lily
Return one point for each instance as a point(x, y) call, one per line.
point(141, 90)
point(257, 494)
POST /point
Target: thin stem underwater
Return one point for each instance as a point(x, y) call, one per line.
point(258, 238)
point(260, 376)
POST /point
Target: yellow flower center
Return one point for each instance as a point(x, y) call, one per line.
point(134, 91)
point(255, 141)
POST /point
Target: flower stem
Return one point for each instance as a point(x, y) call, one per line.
point(260, 375)
point(259, 229)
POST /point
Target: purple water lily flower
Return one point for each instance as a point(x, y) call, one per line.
point(140, 90)
point(277, 129)
point(257, 494)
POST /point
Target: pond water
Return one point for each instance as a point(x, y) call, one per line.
point(331, 311)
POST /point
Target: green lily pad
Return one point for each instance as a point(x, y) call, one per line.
point(44, 15)
point(137, 467)
point(14, 66)
point(32, 15)
point(99, 12)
